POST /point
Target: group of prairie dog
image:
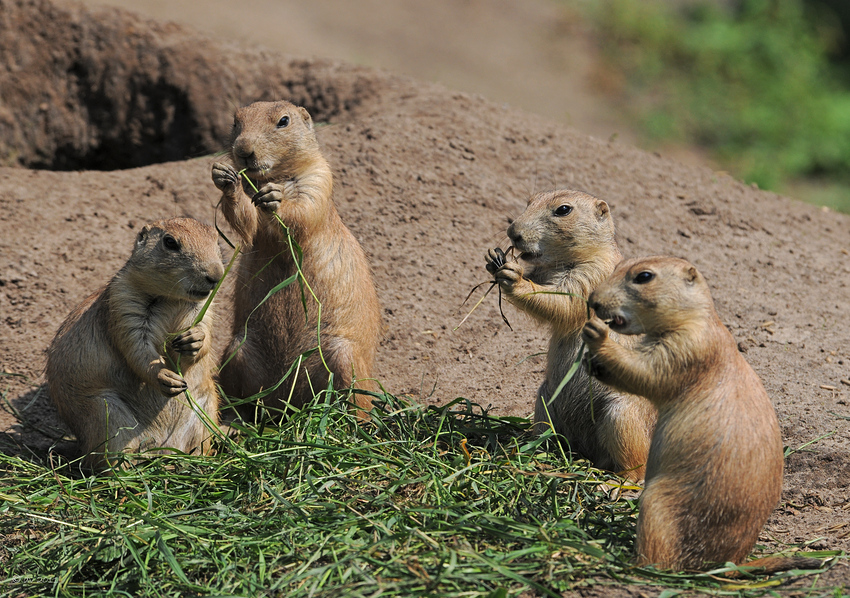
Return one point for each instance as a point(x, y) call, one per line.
point(131, 368)
point(670, 399)
point(668, 396)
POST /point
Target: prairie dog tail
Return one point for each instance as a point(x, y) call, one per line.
point(774, 564)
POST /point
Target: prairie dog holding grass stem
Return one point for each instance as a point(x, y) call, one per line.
point(112, 367)
point(715, 464)
point(275, 145)
point(565, 241)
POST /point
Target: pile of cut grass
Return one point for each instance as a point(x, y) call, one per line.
point(448, 501)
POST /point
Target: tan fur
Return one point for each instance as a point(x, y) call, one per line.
point(715, 464)
point(294, 182)
point(572, 253)
point(107, 371)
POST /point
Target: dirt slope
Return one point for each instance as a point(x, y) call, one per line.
point(537, 55)
point(427, 179)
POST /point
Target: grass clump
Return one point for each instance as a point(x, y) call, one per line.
point(448, 501)
point(750, 81)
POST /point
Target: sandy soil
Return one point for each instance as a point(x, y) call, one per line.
point(427, 179)
point(536, 55)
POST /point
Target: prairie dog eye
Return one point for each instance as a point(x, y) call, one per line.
point(170, 243)
point(563, 210)
point(643, 277)
point(283, 122)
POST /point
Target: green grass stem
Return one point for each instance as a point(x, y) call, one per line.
point(441, 501)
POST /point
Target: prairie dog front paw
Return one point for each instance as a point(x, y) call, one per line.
point(190, 342)
point(171, 383)
point(224, 176)
point(595, 332)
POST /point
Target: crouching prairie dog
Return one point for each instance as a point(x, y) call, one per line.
point(565, 240)
point(715, 464)
point(276, 147)
point(112, 369)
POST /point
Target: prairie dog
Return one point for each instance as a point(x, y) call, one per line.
point(565, 241)
point(715, 464)
point(275, 144)
point(111, 367)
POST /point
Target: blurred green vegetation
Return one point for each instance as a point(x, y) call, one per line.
point(762, 85)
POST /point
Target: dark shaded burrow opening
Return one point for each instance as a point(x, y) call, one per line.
point(160, 125)
point(105, 90)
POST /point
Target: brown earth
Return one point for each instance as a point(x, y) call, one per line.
point(538, 55)
point(427, 179)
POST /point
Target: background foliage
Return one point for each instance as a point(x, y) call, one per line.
point(762, 85)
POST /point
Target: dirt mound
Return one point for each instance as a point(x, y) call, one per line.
point(427, 180)
point(103, 90)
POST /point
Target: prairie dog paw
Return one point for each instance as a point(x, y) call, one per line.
point(224, 176)
point(190, 342)
point(509, 275)
point(595, 332)
point(170, 383)
point(268, 198)
point(495, 260)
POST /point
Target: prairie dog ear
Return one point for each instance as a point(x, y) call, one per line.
point(602, 208)
point(143, 235)
point(691, 274)
point(308, 120)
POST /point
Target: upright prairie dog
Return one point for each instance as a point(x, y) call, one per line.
point(565, 241)
point(274, 143)
point(715, 464)
point(111, 367)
